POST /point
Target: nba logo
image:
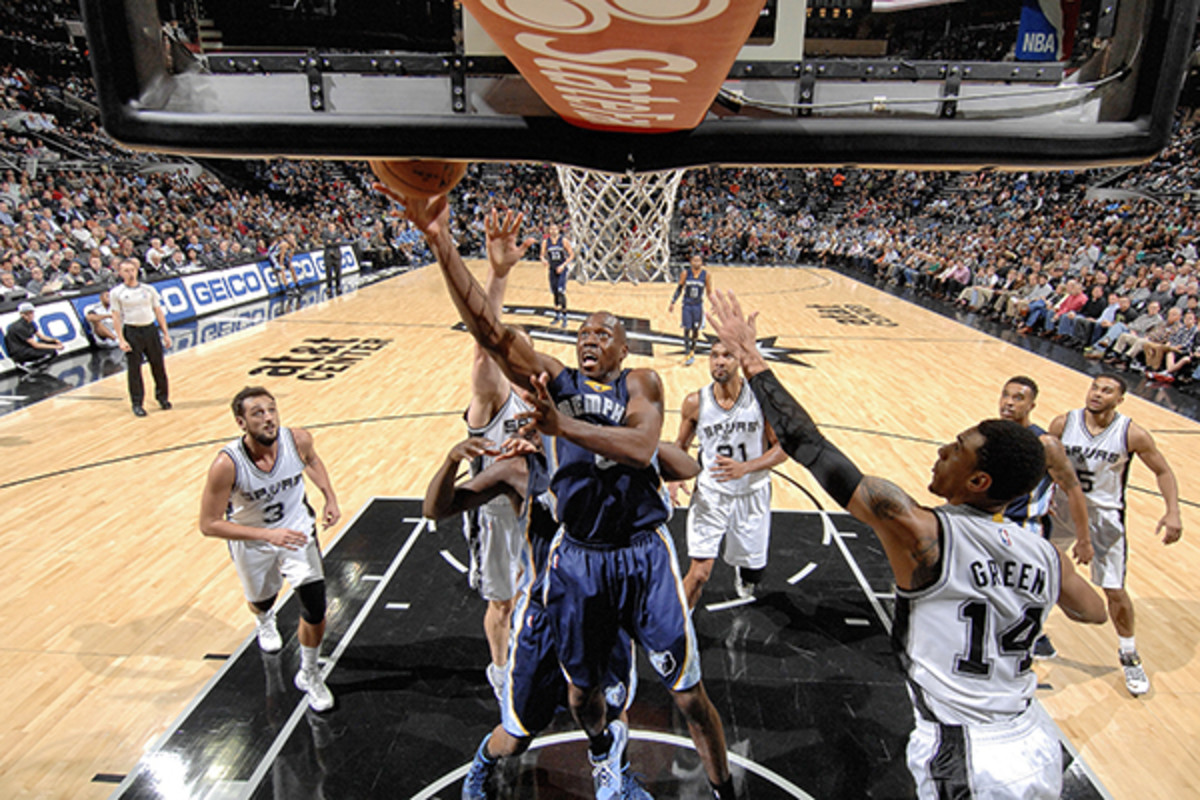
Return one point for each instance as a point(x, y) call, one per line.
point(1004, 537)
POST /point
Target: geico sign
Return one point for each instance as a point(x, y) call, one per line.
point(622, 64)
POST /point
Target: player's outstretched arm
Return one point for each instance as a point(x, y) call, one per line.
point(213, 503)
point(314, 467)
point(1142, 443)
point(1063, 475)
point(443, 498)
point(1077, 598)
point(514, 354)
point(632, 443)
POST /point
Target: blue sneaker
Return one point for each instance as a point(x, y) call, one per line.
point(608, 773)
point(475, 784)
point(632, 789)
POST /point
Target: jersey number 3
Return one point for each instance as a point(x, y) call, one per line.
point(1016, 641)
point(272, 513)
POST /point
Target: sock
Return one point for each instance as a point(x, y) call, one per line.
point(600, 745)
point(484, 755)
point(1127, 644)
point(308, 657)
point(724, 791)
point(264, 617)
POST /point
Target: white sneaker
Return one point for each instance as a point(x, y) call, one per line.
point(269, 640)
point(496, 677)
point(1135, 676)
point(608, 776)
point(740, 586)
point(311, 683)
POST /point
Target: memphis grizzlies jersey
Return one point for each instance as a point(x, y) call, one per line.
point(1101, 461)
point(599, 501)
point(556, 253)
point(272, 499)
point(1032, 511)
point(736, 433)
point(540, 524)
point(693, 287)
point(965, 641)
point(504, 424)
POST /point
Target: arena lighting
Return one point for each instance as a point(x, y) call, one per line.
point(1002, 83)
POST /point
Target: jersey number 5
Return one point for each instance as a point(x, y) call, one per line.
point(1016, 641)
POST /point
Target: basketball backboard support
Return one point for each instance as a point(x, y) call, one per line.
point(1005, 83)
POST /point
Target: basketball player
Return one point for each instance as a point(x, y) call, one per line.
point(732, 500)
point(136, 309)
point(535, 686)
point(694, 285)
point(613, 564)
point(972, 591)
point(280, 257)
point(495, 536)
point(557, 254)
point(1033, 511)
point(254, 497)
point(1098, 440)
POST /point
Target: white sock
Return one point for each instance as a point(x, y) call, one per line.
point(1127, 644)
point(308, 658)
point(264, 617)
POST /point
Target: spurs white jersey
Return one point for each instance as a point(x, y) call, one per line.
point(1101, 461)
point(736, 433)
point(272, 499)
point(503, 425)
point(965, 641)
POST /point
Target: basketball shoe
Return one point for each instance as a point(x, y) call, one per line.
point(311, 683)
point(1135, 676)
point(475, 784)
point(267, 632)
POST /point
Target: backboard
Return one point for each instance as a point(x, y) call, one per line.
point(1006, 83)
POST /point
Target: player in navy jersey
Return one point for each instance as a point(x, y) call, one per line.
point(970, 596)
point(613, 566)
point(557, 254)
point(535, 688)
point(694, 285)
point(1033, 510)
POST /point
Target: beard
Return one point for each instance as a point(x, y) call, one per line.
point(265, 439)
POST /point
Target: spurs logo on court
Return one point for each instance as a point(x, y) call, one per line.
point(320, 359)
point(642, 339)
point(852, 314)
point(591, 16)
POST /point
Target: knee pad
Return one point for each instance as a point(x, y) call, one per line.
point(312, 602)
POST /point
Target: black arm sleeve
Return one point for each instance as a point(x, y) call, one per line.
point(800, 439)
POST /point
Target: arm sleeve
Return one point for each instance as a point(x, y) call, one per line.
point(801, 440)
point(678, 290)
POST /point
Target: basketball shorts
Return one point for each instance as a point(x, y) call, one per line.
point(592, 594)
point(1107, 526)
point(535, 687)
point(1017, 758)
point(742, 520)
point(693, 316)
point(558, 281)
point(496, 539)
point(262, 566)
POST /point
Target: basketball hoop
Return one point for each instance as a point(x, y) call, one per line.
point(620, 222)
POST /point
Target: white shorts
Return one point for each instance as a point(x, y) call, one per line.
point(742, 520)
point(1019, 758)
point(496, 543)
point(1107, 526)
point(262, 566)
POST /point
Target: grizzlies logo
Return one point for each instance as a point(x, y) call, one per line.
point(663, 663)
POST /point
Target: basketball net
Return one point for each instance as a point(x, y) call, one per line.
point(620, 223)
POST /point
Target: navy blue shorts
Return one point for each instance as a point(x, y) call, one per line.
point(536, 687)
point(558, 281)
point(593, 594)
point(693, 316)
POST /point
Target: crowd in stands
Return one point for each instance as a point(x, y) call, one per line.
point(1115, 275)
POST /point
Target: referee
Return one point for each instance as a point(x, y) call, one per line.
point(135, 309)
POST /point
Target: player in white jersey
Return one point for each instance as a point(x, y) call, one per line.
point(494, 534)
point(254, 498)
point(1098, 440)
point(732, 499)
point(1033, 511)
point(972, 590)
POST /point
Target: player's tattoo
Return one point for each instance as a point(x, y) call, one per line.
point(885, 499)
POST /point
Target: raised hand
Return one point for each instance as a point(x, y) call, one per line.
point(472, 448)
point(543, 414)
point(502, 247)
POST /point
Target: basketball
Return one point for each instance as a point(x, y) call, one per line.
point(415, 178)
